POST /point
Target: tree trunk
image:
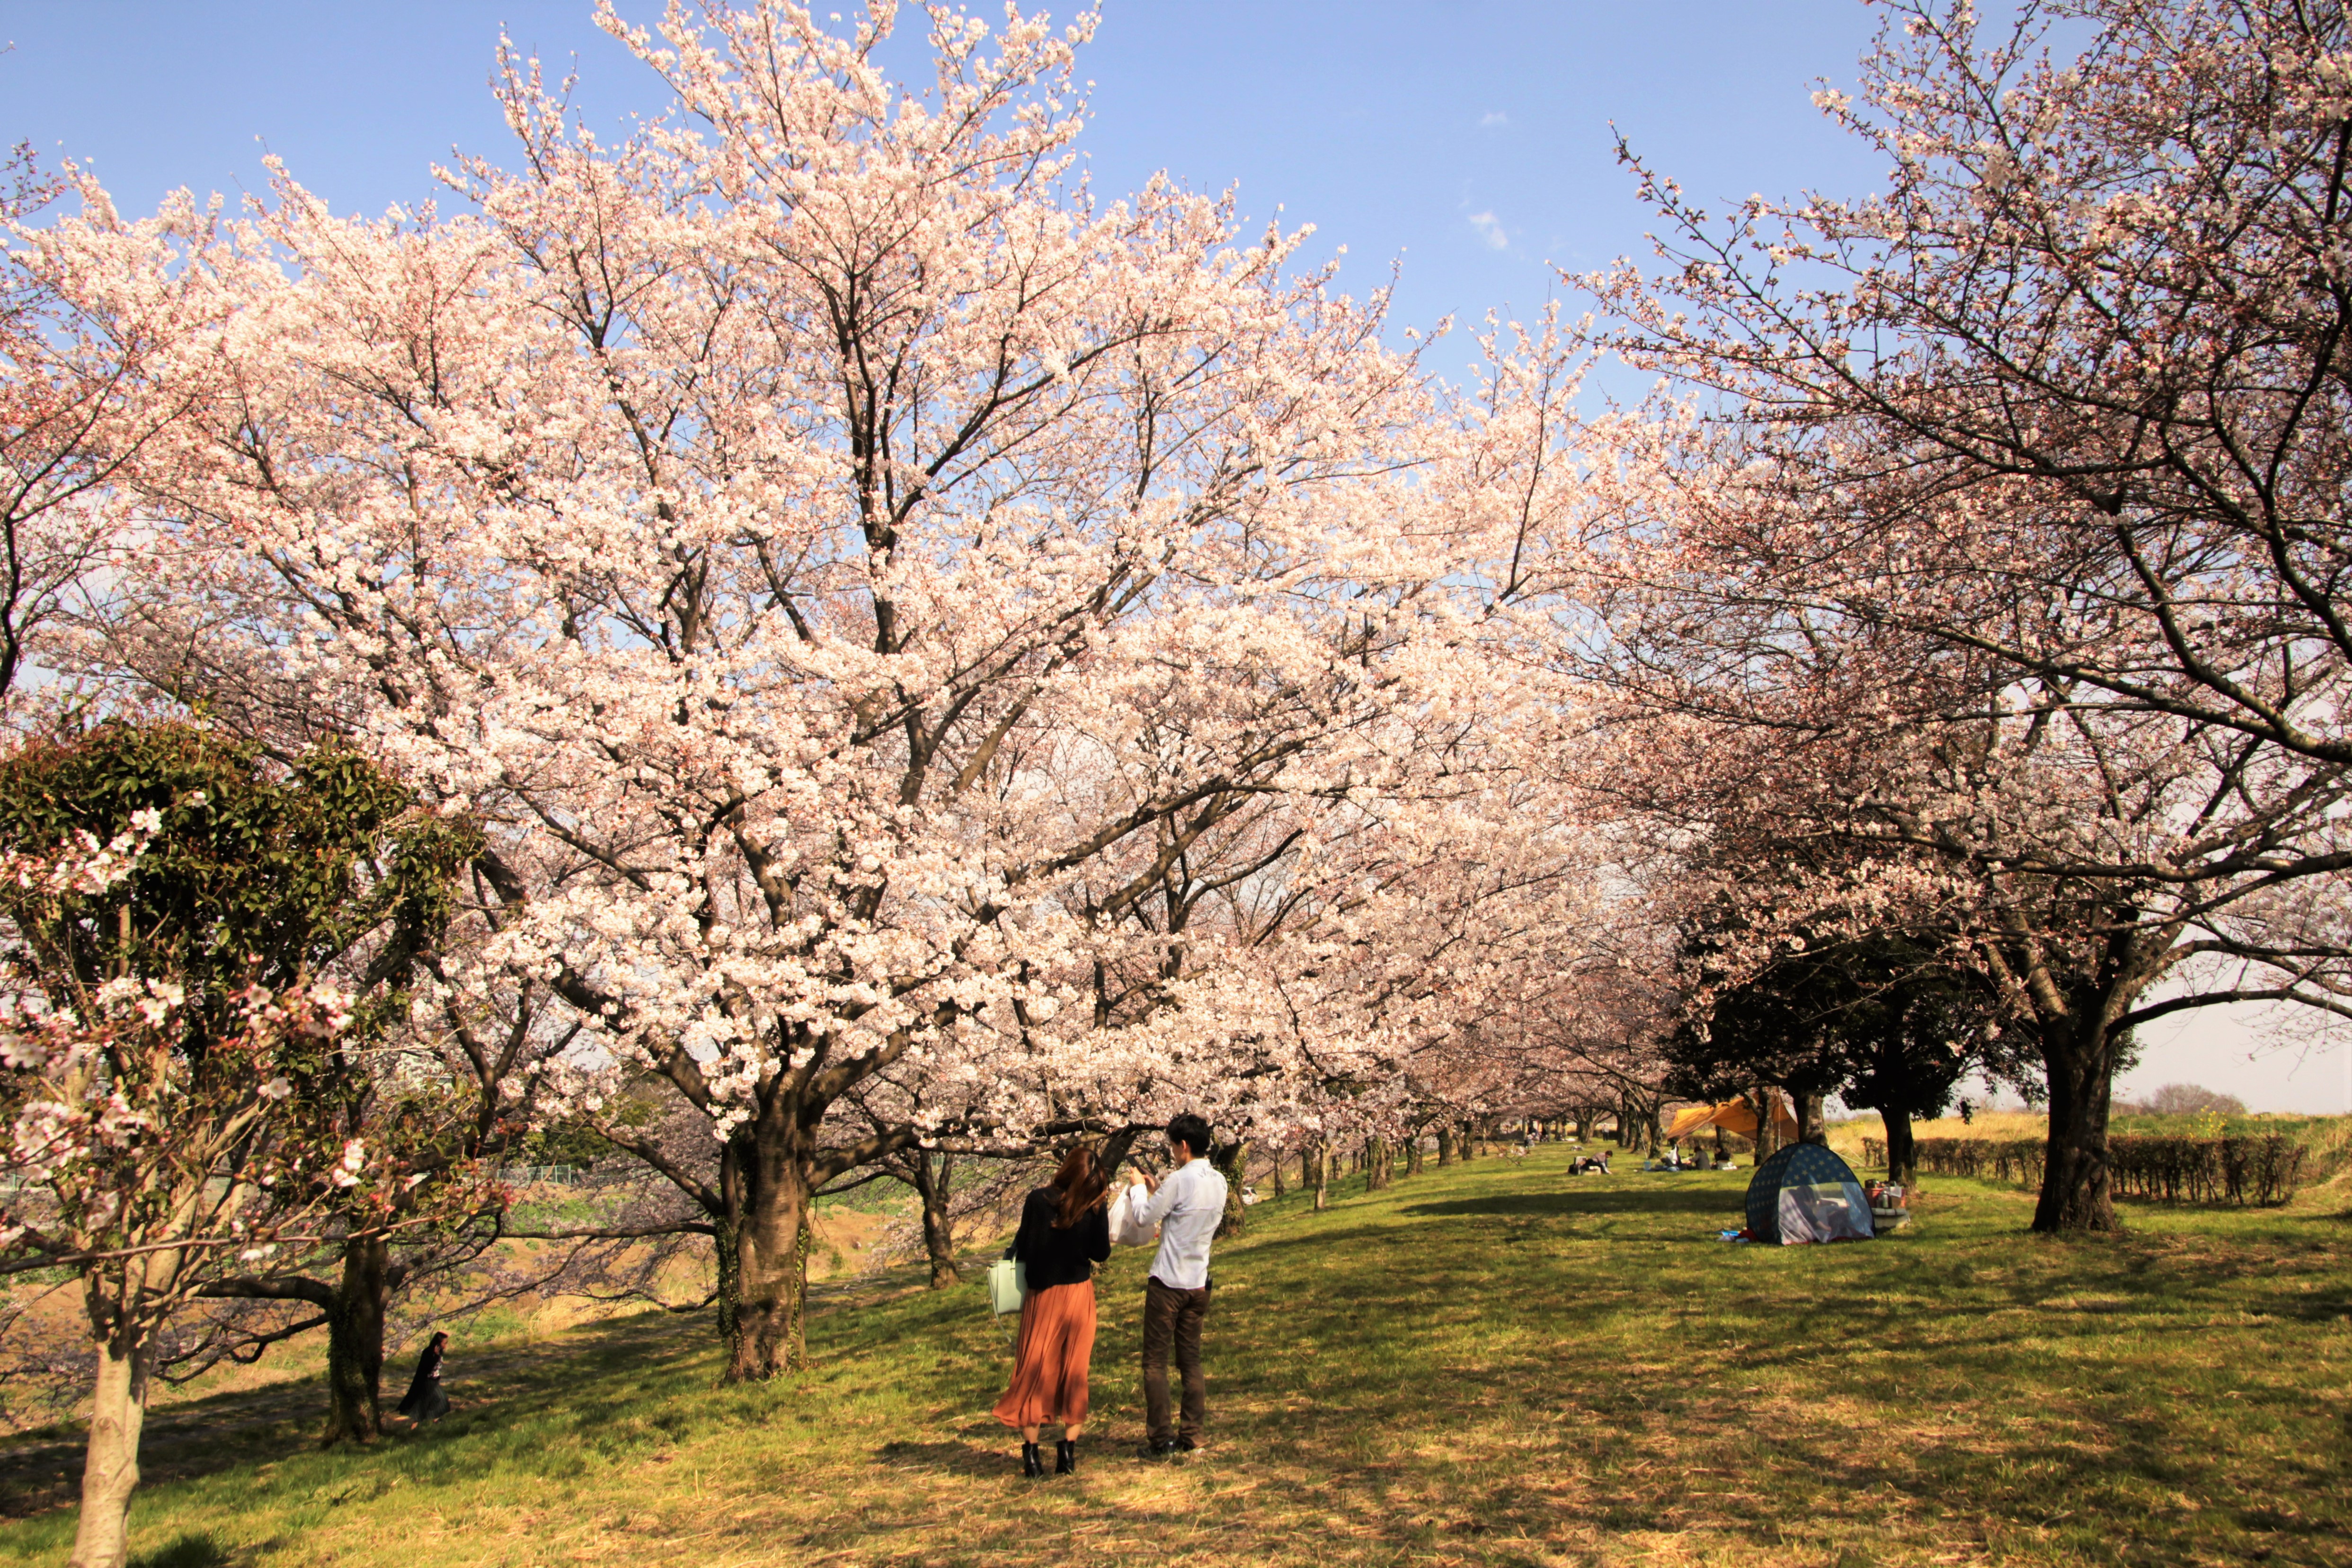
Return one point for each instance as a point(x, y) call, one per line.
point(763, 1296)
point(2076, 1191)
point(110, 1464)
point(1444, 1145)
point(1768, 1132)
point(1319, 1175)
point(1278, 1168)
point(1412, 1155)
point(1233, 1162)
point(1469, 1142)
point(355, 1343)
point(1813, 1122)
point(723, 1247)
point(1902, 1156)
point(1380, 1164)
point(931, 1185)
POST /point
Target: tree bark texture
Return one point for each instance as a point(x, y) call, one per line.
point(763, 1285)
point(2079, 1058)
point(933, 1175)
point(1444, 1145)
point(110, 1466)
point(1813, 1127)
point(355, 1342)
point(1412, 1155)
point(1232, 1161)
point(1319, 1175)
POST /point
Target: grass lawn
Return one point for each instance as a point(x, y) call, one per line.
point(1490, 1365)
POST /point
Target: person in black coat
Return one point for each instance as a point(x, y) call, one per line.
point(424, 1401)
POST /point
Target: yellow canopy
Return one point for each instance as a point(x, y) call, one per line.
point(1732, 1116)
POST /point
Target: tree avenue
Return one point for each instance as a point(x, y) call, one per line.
point(842, 653)
point(2004, 545)
point(892, 611)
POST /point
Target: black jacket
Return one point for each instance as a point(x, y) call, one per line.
point(1052, 1256)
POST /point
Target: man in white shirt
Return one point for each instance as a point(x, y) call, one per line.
point(1187, 1204)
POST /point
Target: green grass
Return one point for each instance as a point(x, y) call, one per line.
point(1495, 1364)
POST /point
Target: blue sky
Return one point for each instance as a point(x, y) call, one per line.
point(1469, 137)
point(1469, 140)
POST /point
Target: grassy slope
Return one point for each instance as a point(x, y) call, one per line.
point(1489, 1365)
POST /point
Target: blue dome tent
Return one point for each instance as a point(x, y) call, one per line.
point(1806, 1193)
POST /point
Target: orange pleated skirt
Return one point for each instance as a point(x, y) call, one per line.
point(1050, 1359)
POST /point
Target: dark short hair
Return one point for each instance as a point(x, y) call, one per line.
point(1190, 1130)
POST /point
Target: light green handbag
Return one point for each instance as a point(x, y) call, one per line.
point(1008, 1281)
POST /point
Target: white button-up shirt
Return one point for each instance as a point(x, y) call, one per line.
point(1187, 1207)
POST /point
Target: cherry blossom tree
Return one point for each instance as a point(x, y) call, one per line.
point(2011, 544)
point(180, 1030)
point(892, 611)
point(81, 391)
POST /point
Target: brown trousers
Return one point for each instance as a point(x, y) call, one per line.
point(1049, 1363)
point(1172, 1320)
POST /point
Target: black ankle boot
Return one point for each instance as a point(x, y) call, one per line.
point(1032, 1461)
point(1065, 1457)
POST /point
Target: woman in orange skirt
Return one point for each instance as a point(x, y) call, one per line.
point(1064, 1232)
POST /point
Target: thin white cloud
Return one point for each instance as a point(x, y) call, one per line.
point(1490, 229)
point(1493, 118)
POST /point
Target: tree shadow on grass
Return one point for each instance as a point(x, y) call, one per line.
point(960, 1459)
point(1611, 1200)
point(40, 1470)
point(197, 1549)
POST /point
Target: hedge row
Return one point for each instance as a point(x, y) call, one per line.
point(2263, 1169)
point(2015, 1160)
point(2207, 1170)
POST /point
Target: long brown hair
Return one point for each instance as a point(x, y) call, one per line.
point(1082, 1182)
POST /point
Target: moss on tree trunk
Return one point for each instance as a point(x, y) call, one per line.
point(355, 1342)
point(764, 1272)
point(932, 1173)
point(1232, 1161)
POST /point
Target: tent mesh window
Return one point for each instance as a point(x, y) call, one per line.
point(1797, 1165)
